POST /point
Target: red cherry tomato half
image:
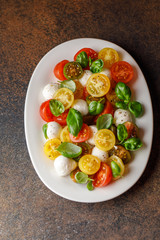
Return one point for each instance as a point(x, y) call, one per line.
point(132, 129)
point(62, 118)
point(45, 112)
point(58, 70)
point(85, 93)
point(103, 176)
point(83, 135)
point(122, 72)
point(108, 108)
point(90, 53)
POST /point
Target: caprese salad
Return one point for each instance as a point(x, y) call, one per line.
point(89, 117)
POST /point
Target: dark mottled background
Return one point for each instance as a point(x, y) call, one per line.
point(29, 29)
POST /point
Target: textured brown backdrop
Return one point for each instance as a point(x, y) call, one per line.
point(29, 29)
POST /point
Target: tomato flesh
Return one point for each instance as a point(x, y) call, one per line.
point(72, 70)
point(58, 70)
point(132, 129)
point(45, 112)
point(103, 176)
point(83, 135)
point(122, 72)
point(62, 118)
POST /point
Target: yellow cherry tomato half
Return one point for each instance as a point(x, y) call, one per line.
point(109, 56)
point(104, 139)
point(89, 164)
point(50, 146)
point(98, 85)
point(64, 135)
point(65, 96)
point(120, 164)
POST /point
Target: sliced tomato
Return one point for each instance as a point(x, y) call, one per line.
point(132, 129)
point(108, 108)
point(122, 72)
point(103, 176)
point(83, 135)
point(61, 119)
point(45, 112)
point(73, 173)
point(58, 70)
point(90, 53)
point(85, 93)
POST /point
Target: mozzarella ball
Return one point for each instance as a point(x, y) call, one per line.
point(102, 155)
point(81, 106)
point(49, 90)
point(94, 130)
point(64, 165)
point(122, 116)
point(106, 72)
point(53, 130)
point(84, 78)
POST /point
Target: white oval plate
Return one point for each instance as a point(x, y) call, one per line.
point(63, 186)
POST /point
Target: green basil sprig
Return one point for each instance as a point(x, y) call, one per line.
point(69, 150)
point(74, 121)
point(82, 58)
point(115, 169)
point(104, 121)
point(97, 66)
point(83, 179)
point(132, 144)
point(135, 108)
point(123, 92)
point(95, 108)
point(121, 105)
point(56, 107)
point(70, 84)
point(122, 133)
point(44, 128)
point(90, 99)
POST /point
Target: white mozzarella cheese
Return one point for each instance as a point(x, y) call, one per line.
point(49, 90)
point(106, 72)
point(122, 116)
point(81, 106)
point(64, 166)
point(84, 78)
point(53, 130)
point(94, 130)
point(102, 155)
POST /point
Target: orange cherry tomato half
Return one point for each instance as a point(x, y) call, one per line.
point(83, 135)
point(90, 53)
point(103, 176)
point(108, 108)
point(45, 112)
point(122, 72)
point(58, 70)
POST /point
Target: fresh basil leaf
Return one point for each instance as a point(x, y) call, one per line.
point(123, 92)
point(56, 107)
point(135, 108)
point(82, 59)
point(90, 99)
point(44, 128)
point(122, 133)
point(90, 186)
point(105, 121)
point(95, 108)
point(70, 84)
point(97, 66)
point(121, 105)
point(115, 169)
point(74, 121)
point(69, 150)
point(81, 177)
point(132, 144)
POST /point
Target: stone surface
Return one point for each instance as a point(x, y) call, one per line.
point(29, 29)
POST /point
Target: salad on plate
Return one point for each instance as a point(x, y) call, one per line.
point(89, 116)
